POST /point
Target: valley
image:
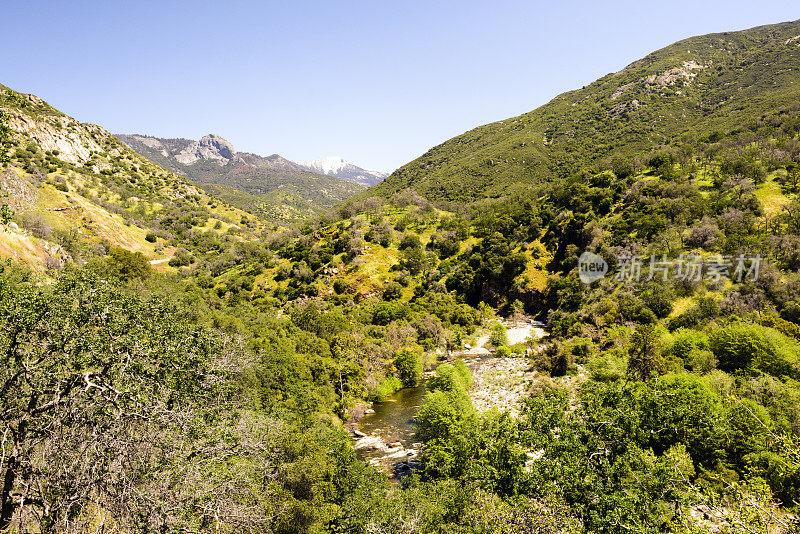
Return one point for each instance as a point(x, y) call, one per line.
point(386, 432)
point(196, 339)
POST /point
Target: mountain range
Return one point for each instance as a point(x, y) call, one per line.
point(272, 186)
point(225, 393)
point(74, 190)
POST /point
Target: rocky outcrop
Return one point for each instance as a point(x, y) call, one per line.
point(209, 147)
point(75, 142)
point(683, 75)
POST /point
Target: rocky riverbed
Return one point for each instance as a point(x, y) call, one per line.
point(500, 383)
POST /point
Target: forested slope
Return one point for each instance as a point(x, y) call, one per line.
point(682, 93)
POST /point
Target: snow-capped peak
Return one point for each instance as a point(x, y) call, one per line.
point(329, 165)
point(339, 167)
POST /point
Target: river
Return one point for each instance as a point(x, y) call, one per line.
point(386, 437)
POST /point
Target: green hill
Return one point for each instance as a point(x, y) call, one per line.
point(689, 90)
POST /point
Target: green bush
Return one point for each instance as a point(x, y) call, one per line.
point(608, 366)
point(339, 286)
point(739, 345)
point(392, 291)
point(685, 340)
point(700, 361)
point(386, 388)
point(126, 265)
point(451, 377)
point(408, 363)
point(503, 351)
point(410, 241)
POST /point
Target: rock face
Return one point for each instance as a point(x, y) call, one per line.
point(75, 142)
point(210, 147)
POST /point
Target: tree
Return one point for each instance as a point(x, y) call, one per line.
point(644, 358)
point(737, 346)
point(6, 214)
point(499, 336)
point(408, 363)
point(392, 291)
point(410, 241)
point(90, 380)
point(5, 135)
point(124, 265)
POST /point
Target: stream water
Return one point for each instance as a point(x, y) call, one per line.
point(392, 422)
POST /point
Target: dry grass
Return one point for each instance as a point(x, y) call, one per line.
point(771, 197)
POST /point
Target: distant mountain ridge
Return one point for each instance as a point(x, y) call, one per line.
point(273, 185)
point(339, 167)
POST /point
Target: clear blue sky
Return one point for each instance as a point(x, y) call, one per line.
point(376, 82)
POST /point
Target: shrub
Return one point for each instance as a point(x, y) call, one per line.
point(700, 360)
point(36, 225)
point(339, 286)
point(608, 366)
point(685, 340)
point(451, 377)
point(392, 291)
point(644, 354)
point(6, 213)
point(181, 258)
point(790, 329)
point(410, 241)
point(658, 299)
point(503, 351)
point(499, 336)
point(126, 265)
point(386, 388)
point(738, 345)
point(408, 363)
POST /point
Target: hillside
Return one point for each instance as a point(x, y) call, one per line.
point(686, 91)
point(73, 191)
point(272, 186)
point(663, 400)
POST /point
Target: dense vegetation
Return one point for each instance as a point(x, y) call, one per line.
point(216, 396)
